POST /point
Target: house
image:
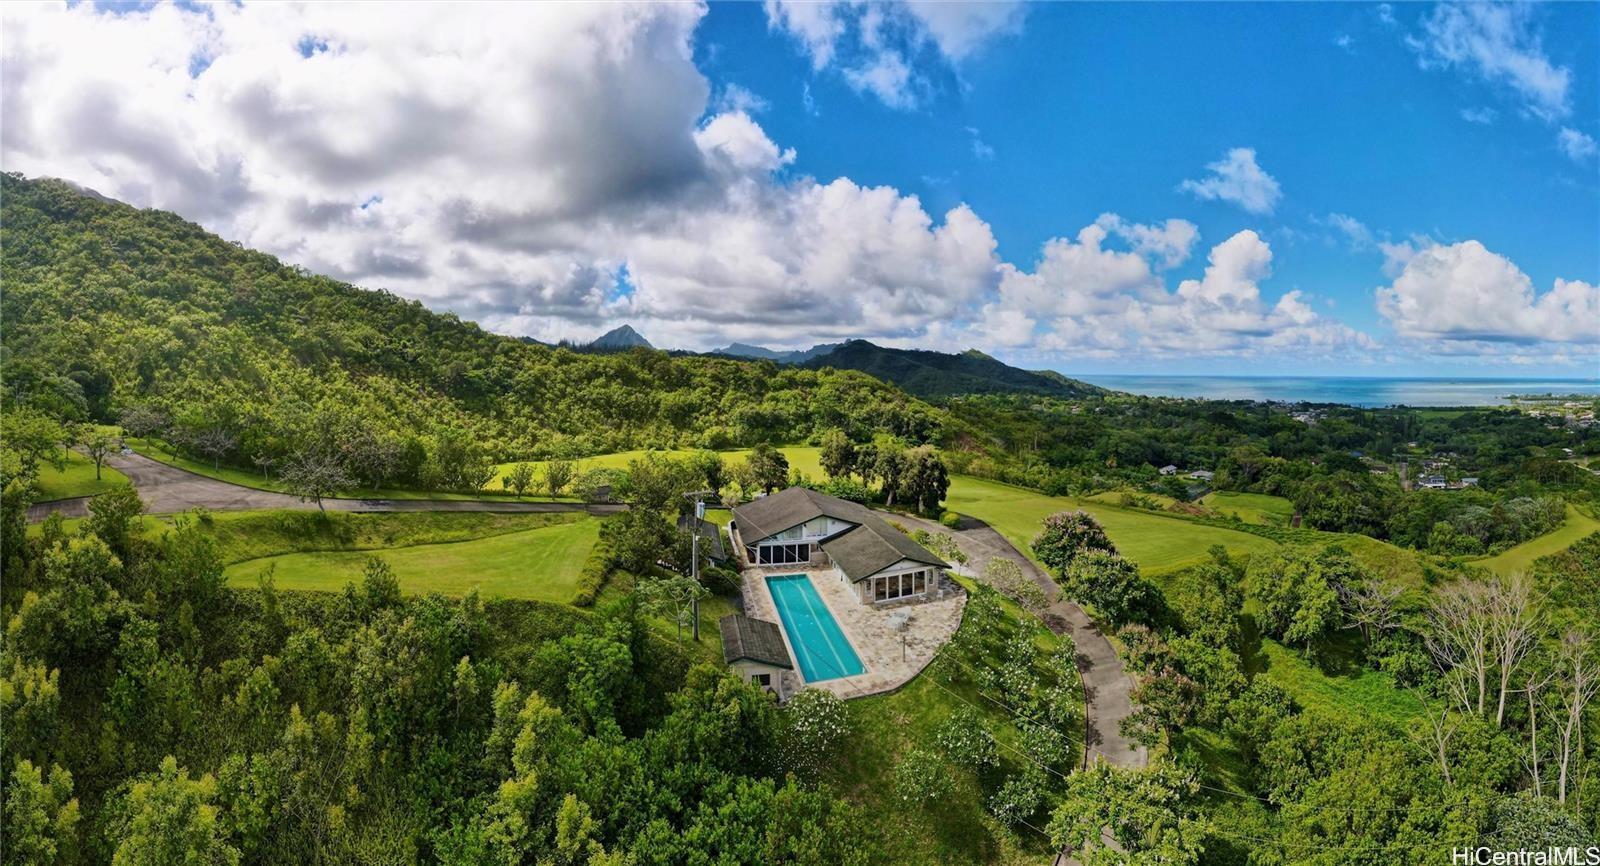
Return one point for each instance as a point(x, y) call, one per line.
point(1202, 475)
point(1432, 482)
point(800, 527)
point(711, 545)
point(754, 649)
point(1169, 469)
point(1469, 482)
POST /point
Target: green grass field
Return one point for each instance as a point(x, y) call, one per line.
point(1370, 694)
point(541, 564)
point(1257, 508)
point(1156, 542)
point(76, 479)
point(1521, 557)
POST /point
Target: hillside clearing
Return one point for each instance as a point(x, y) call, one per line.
point(1155, 542)
point(540, 564)
point(1520, 558)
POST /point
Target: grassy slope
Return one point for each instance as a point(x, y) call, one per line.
point(76, 479)
point(1155, 542)
point(1257, 508)
point(541, 564)
point(1521, 557)
point(1369, 694)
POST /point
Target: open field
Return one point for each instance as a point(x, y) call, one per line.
point(1257, 508)
point(541, 564)
point(1155, 542)
point(1521, 557)
point(76, 479)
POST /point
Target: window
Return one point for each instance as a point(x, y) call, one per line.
point(762, 680)
point(783, 554)
point(900, 585)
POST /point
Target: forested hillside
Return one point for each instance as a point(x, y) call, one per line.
point(108, 307)
point(933, 375)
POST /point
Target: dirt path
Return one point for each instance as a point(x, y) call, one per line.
point(1107, 687)
point(168, 490)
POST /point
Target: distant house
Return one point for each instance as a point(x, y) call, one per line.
point(1202, 475)
point(711, 545)
point(1169, 469)
point(1432, 482)
point(800, 527)
point(1469, 482)
point(754, 649)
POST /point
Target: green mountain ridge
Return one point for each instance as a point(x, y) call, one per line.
point(934, 375)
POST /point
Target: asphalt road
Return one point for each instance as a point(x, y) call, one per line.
point(168, 490)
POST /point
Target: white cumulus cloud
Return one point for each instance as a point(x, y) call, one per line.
point(1465, 292)
point(1237, 179)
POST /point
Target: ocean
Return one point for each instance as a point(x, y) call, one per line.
point(1349, 390)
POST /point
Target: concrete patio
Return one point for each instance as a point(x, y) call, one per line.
point(869, 629)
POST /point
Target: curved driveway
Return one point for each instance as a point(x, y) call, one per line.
point(1107, 687)
point(168, 489)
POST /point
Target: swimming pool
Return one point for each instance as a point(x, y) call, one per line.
point(822, 649)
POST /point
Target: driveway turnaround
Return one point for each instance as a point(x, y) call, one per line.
point(168, 490)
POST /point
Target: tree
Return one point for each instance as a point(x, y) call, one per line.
point(925, 478)
point(1295, 589)
point(1516, 623)
point(168, 817)
point(1008, 578)
point(142, 420)
point(838, 456)
point(890, 468)
point(1460, 636)
point(1577, 683)
point(1149, 815)
point(769, 468)
point(920, 777)
point(557, 475)
point(97, 446)
point(1065, 535)
point(672, 596)
point(816, 728)
point(215, 442)
point(313, 476)
point(1112, 585)
point(519, 480)
point(41, 816)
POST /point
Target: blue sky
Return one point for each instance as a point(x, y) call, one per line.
point(1089, 108)
point(1166, 187)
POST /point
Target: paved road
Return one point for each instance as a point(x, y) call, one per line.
point(168, 489)
point(1107, 687)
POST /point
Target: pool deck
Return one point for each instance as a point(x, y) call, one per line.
point(868, 629)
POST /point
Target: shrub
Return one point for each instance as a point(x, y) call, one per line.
point(817, 723)
point(951, 519)
point(596, 570)
point(1019, 797)
point(965, 740)
point(1067, 534)
point(920, 778)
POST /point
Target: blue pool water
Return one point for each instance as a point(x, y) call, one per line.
point(824, 653)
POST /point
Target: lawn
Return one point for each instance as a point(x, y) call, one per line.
point(1369, 694)
point(541, 564)
point(1520, 558)
point(1257, 508)
point(1156, 542)
point(76, 479)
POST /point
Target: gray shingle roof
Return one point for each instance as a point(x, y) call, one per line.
point(869, 547)
point(755, 639)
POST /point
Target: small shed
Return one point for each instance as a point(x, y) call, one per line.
point(1169, 469)
point(755, 650)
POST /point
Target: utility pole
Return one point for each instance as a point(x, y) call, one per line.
point(694, 551)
